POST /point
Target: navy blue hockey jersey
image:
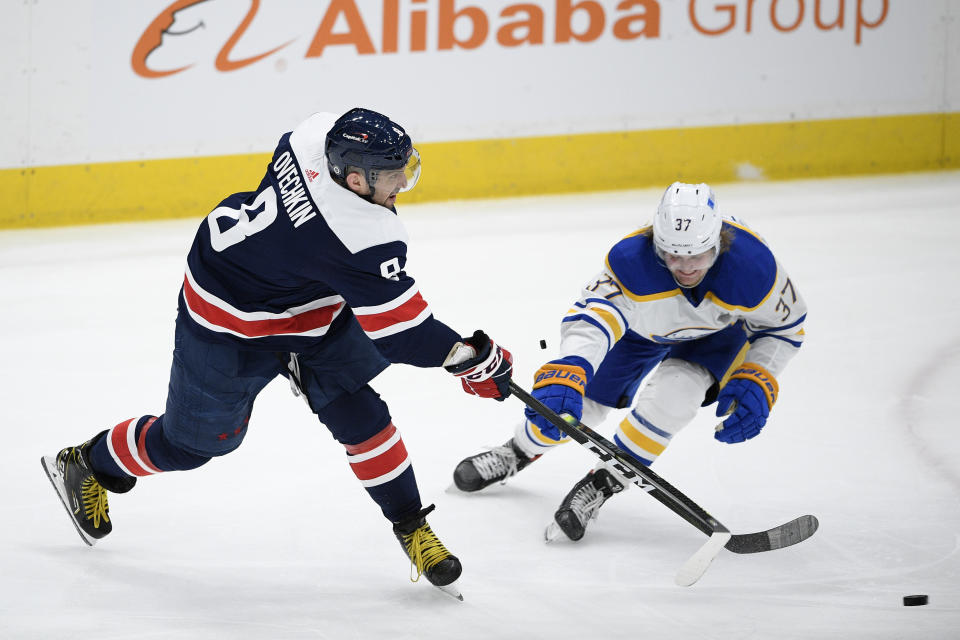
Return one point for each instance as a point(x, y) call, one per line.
point(282, 267)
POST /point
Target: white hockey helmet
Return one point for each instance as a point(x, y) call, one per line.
point(688, 221)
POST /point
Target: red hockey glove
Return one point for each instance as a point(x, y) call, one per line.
point(483, 367)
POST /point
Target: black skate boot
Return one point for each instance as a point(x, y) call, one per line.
point(496, 465)
point(427, 554)
point(82, 493)
point(582, 504)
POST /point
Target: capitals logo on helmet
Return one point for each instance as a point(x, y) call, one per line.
point(361, 138)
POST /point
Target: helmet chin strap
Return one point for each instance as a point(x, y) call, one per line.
point(367, 178)
point(369, 196)
point(366, 196)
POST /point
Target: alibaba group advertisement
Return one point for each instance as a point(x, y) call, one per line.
point(114, 80)
point(343, 23)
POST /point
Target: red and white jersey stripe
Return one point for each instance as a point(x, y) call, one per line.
point(312, 319)
point(379, 459)
point(407, 310)
point(129, 452)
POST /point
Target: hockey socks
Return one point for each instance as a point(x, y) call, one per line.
point(641, 438)
point(382, 465)
point(137, 447)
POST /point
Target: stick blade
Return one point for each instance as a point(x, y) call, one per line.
point(786, 535)
point(694, 568)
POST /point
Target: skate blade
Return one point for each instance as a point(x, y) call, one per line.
point(553, 532)
point(49, 464)
point(451, 590)
point(454, 489)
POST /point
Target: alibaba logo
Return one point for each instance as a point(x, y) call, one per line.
point(169, 29)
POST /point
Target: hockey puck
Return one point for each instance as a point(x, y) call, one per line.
point(543, 344)
point(915, 601)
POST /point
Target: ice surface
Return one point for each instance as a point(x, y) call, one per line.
point(279, 540)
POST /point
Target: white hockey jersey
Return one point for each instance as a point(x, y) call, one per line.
point(636, 293)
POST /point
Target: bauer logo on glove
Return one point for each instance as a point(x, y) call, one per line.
point(758, 374)
point(559, 385)
point(565, 374)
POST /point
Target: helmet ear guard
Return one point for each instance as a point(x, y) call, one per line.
point(688, 220)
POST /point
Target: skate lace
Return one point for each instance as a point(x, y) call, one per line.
point(499, 462)
point(425, 551)
point(586, 503)
point(94, 501)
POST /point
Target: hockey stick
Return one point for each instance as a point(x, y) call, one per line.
point(785, 535)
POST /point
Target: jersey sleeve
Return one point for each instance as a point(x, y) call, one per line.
point(775, 327)
point(389, 307)
point(596, 321)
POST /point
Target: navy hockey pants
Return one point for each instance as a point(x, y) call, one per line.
point(619, 375)
point(210, 398)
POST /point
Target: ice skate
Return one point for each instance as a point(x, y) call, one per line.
point(427, 554)
point(582, 504)
point(81, 493)
point(496, 465)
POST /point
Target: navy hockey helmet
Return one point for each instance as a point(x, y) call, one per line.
point(372, 142)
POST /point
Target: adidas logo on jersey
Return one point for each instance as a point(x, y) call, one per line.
point(311, 175)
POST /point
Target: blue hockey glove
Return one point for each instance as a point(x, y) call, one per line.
point(751, 392)
point(559, 384)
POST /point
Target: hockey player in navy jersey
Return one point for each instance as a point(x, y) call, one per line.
point(303, 277)
point(696, 306)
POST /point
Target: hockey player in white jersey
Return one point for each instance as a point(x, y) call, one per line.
point(302, 277)
point(694, 305)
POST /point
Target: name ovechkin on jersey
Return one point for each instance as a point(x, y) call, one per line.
point(293, 193)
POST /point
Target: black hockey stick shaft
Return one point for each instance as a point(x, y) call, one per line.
point(639, 474)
